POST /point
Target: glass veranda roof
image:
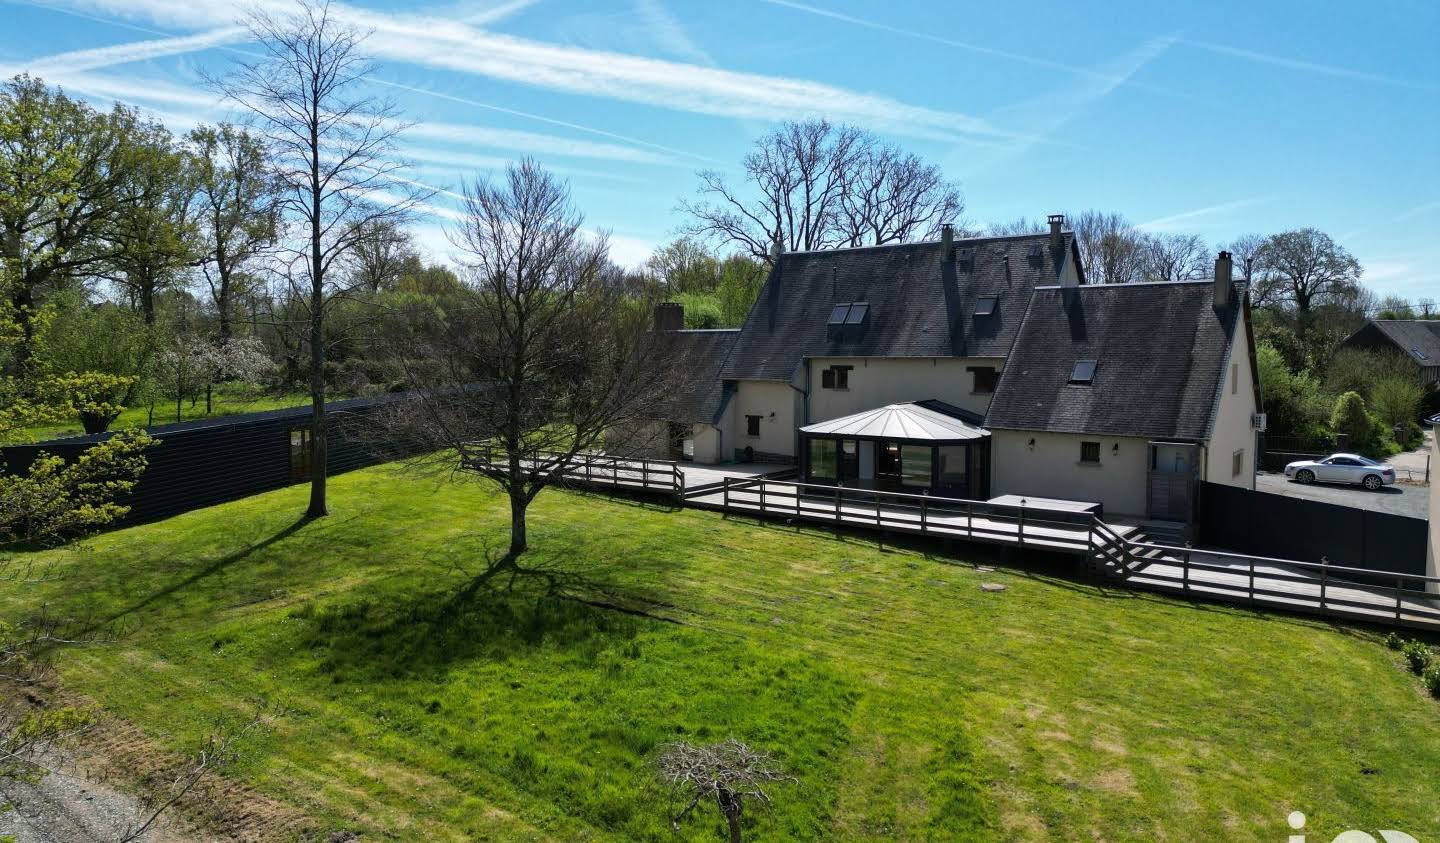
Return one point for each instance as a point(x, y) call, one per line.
point(908, 422)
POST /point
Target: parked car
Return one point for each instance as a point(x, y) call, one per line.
point(1342, 468)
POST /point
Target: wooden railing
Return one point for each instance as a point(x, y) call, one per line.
point(1410, 600)
point(931, 515)
point(652, 476)
point(1398, 599)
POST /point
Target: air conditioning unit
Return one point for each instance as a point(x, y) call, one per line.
point(1257, 421)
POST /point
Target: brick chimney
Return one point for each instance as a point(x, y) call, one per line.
point(1224, 284)
point(669, 316)
point(1057, 240)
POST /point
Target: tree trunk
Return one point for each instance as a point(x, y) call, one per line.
point(518, 538)
point(730, 807)
point(319, 507)
point(209, 399)
point(318, 441)
point(147, 303)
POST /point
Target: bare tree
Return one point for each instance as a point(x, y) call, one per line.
point(894, 197)
point(1017, 226)
point(1173, 257)
point(1110, 247)
point(537, 358)
point(383, 252)
point(800, 171)
point(1245, 250)
point(237, 214)
point(1304, 269)
point(333, 150)
point(726, 773)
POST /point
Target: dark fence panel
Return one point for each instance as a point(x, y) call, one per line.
point(201, 464)
point(1264, 524)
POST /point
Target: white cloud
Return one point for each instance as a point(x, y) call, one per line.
point(669, 33)
point(460, 47)
point(1187, 220)
point(77, 60)
point(981, 49)
point(1306, 66)
point(531, 142)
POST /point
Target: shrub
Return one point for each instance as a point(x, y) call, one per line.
point(1394, 641)
point(701, 310)
point(1431, 680)
point(1396, 399)
point(1351, 418)
point(1418, 655)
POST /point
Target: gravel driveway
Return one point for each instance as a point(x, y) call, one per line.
point(1399, 499)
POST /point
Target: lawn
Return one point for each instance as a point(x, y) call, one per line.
point(228, 399)
point(908, 703)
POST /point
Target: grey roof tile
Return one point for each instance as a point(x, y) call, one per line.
point(698, 355)
point(919, 306)
point(1160, 348)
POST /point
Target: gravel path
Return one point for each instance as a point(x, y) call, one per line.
point(63, 808)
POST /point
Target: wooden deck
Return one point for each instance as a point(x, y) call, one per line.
point(1115, 551)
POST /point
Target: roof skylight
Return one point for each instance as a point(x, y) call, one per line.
point(1084, 372)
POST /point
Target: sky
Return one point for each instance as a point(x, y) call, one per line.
point(1217, 118)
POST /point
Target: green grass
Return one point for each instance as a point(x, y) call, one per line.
point(908, 703)
point(227, 400)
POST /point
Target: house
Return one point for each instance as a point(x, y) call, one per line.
point(1417, 339)
point(985, 367)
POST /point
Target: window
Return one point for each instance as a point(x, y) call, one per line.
point(822, 459)
point(836, 377)
point(1234, 378)
point(985, 305)
point(847, 320)
point(1237, 463)
point(1084, 372)
point(953, 464)
point(915, 465)
point(985, 379)
point(965, 255)
point(1036, 255)
point(1090, 452)
point(300, 450)
point(752, 425)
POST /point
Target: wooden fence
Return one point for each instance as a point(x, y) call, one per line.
point(650, 476)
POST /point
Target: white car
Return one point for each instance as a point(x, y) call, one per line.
point(1342, 468)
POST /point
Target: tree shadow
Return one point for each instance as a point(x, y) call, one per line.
point(215, 567)
point(503, 612)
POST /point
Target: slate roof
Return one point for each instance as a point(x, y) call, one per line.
point(919, 305)
point(910, 421)
point(1419, 338)
point(699, 355)
point(1161, 351)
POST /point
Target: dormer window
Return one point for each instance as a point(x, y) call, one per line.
point(1084, 372)
point(985, 305)
point(965, 258)
point(847, 321)
point(1036, 255)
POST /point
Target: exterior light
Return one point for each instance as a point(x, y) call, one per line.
point(1031, 446)
point(1115, 449)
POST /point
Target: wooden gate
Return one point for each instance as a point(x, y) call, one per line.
point(1170, 487)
